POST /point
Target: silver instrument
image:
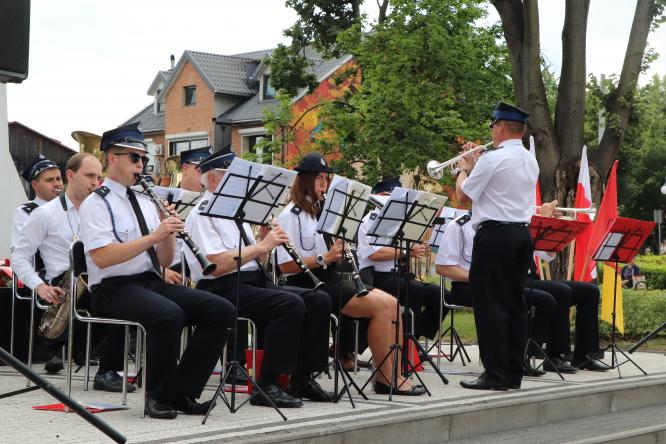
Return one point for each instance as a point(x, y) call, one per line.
point(591, 210)
point(436, 169)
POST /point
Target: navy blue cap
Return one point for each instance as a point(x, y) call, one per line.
point(38, 164)
point(504, 111)
point(219, 160)
point(126, 136)
point(386, 186)
point(195, 156)
point(313, 163)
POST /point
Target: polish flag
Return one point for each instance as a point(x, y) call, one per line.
point(537, 202)
point(583, 200)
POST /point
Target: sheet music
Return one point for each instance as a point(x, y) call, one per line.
point(268, 185)
point(344, 208)
point(183, 200)
point(416, 208)
point(610, 242)
point(440, 223)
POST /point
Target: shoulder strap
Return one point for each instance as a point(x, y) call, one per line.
point(102, 192)
point(29, 207)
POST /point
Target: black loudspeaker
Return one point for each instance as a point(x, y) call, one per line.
point(14, 40)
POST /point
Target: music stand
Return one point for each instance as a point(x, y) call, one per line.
point(248, 193)
point(341, 217)
point(404, 220)
point(621, 244)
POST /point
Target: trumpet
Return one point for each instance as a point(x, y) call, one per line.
point(436, 169)
point(591, 210)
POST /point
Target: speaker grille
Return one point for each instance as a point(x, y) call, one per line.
point(14, 40)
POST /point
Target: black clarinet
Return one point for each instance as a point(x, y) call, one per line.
point(356, 275)
point(295, 255)
point(205, 264)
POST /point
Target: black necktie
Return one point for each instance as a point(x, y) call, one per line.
point(144, 228)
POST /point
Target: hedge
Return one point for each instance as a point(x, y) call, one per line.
point(654, 269)
point(643, 312)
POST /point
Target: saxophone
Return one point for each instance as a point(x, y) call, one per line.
point(56, 317)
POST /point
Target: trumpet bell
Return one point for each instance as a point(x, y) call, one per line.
point(435, 169)
point(88, 143)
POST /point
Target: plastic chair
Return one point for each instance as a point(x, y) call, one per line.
point(78, 268)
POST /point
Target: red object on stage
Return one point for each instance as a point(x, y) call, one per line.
point(553, 234)
point(283, 379)
point(413, 357)
point(623, 240)
point(92, 407)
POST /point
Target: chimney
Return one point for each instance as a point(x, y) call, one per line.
point(173, 61)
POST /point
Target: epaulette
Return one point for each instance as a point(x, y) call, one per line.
point(373, 216)
point(202, 205)
point(102, 191)
point(29, 207)
point(296, 210)
point(462, 220)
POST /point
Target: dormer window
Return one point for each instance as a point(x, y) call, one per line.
point(269, 91)
point(159, 106)
point(190, 93)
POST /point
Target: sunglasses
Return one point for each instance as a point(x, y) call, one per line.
point(134, 157)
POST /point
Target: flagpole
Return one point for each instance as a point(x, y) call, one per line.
point(570, 262)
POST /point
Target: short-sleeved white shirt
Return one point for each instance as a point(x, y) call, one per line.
point(50, 230)
point(301, 229)
point(213, 235)
point(97, 229)
point(19, 219)
point(365, 249)
point(501, 185)
point(455, 247)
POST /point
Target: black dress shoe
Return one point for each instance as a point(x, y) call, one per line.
point(528, 370)
point(159, 410)
point(385, 389)
point(559, 364)
point(54, 364)
point(110, 381)
point(238, 375)
point(189, 406)
point(280, 398)
point(588, 364)
point(484, 382)
point(310, 390)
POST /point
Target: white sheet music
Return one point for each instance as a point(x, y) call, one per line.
point(423, 207)
point(183, 200)
point(445, 217)
point(267, 195)
point(344, 208)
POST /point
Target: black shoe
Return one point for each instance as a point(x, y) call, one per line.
point(528, 370)
point(110, 381)
point(385, 389)
point(310, 390)
point(484, 382)
point(559, 364)
point(80, 359)
point(159, 410)
point(189, 406)
point(54, 364)
point(239, 376)
point(280, 398)
point(588, 364)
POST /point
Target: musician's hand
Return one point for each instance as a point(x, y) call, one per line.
point(54, 295)
point(172, 277)
point(548, 209)
point(263, 231)
point(334, 254)
point(273, 239)
point(419, 250)
point(171, 208)
point(167, 227)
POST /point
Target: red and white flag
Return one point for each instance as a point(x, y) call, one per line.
point(537, 196)
point(583, 200)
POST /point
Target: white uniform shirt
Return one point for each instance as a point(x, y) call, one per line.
point(214, 235)
point(365, 249)
point(455, 247)
point(301, 231)
point(19, 219)
point(50, 230)
point(97, 229)
point(502, 184)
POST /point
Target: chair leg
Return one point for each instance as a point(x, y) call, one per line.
point(86, 370)
point(31, 335)
point(356, 328)
point(13, 318)
point(137, 350)
point(144, 371)
point(125, 364)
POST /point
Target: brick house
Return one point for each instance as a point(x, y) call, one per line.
point(212, 99)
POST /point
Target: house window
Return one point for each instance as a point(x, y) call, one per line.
point(249, 145)
point(178, 146)
point(160, 107)
point(190, 95)
point(269, 91)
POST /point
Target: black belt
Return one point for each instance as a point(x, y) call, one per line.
point(497, 223)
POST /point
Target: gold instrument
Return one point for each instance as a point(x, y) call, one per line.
point(174, 170)
point(88, 143)
point(56, 317)
point(591, 210)
point(436, 169)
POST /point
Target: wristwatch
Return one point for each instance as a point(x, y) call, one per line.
point(320, 260)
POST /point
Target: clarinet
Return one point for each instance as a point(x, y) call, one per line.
point(356, 275)
point(205, 264)
point(289, 247)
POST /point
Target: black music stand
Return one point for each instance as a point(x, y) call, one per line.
point(341, 217)
point(404, 220)
point(621, 243)
point(249, 192)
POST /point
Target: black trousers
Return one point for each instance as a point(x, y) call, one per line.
point(585, 297)
point(164, 309)
point(294, 320)
point(424, 300)
point(500, 259)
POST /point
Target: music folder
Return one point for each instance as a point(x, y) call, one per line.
point(623, 240)
point(553, 234)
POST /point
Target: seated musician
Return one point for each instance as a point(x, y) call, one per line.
point(125, 244)
point(294, 320)
point(378, 261)
point(51, 229)
point(299, 220)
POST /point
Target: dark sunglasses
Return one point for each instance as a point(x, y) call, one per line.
point(134, 157)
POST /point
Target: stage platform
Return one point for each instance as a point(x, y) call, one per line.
point(586, 407)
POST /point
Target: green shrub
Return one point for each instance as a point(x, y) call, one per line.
point(654, 269)
point(643, 312)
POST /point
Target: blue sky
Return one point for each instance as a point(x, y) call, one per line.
point(92, 62)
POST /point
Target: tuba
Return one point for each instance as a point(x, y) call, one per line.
point(56, 317)
point(174, 170)
point(88, 143)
